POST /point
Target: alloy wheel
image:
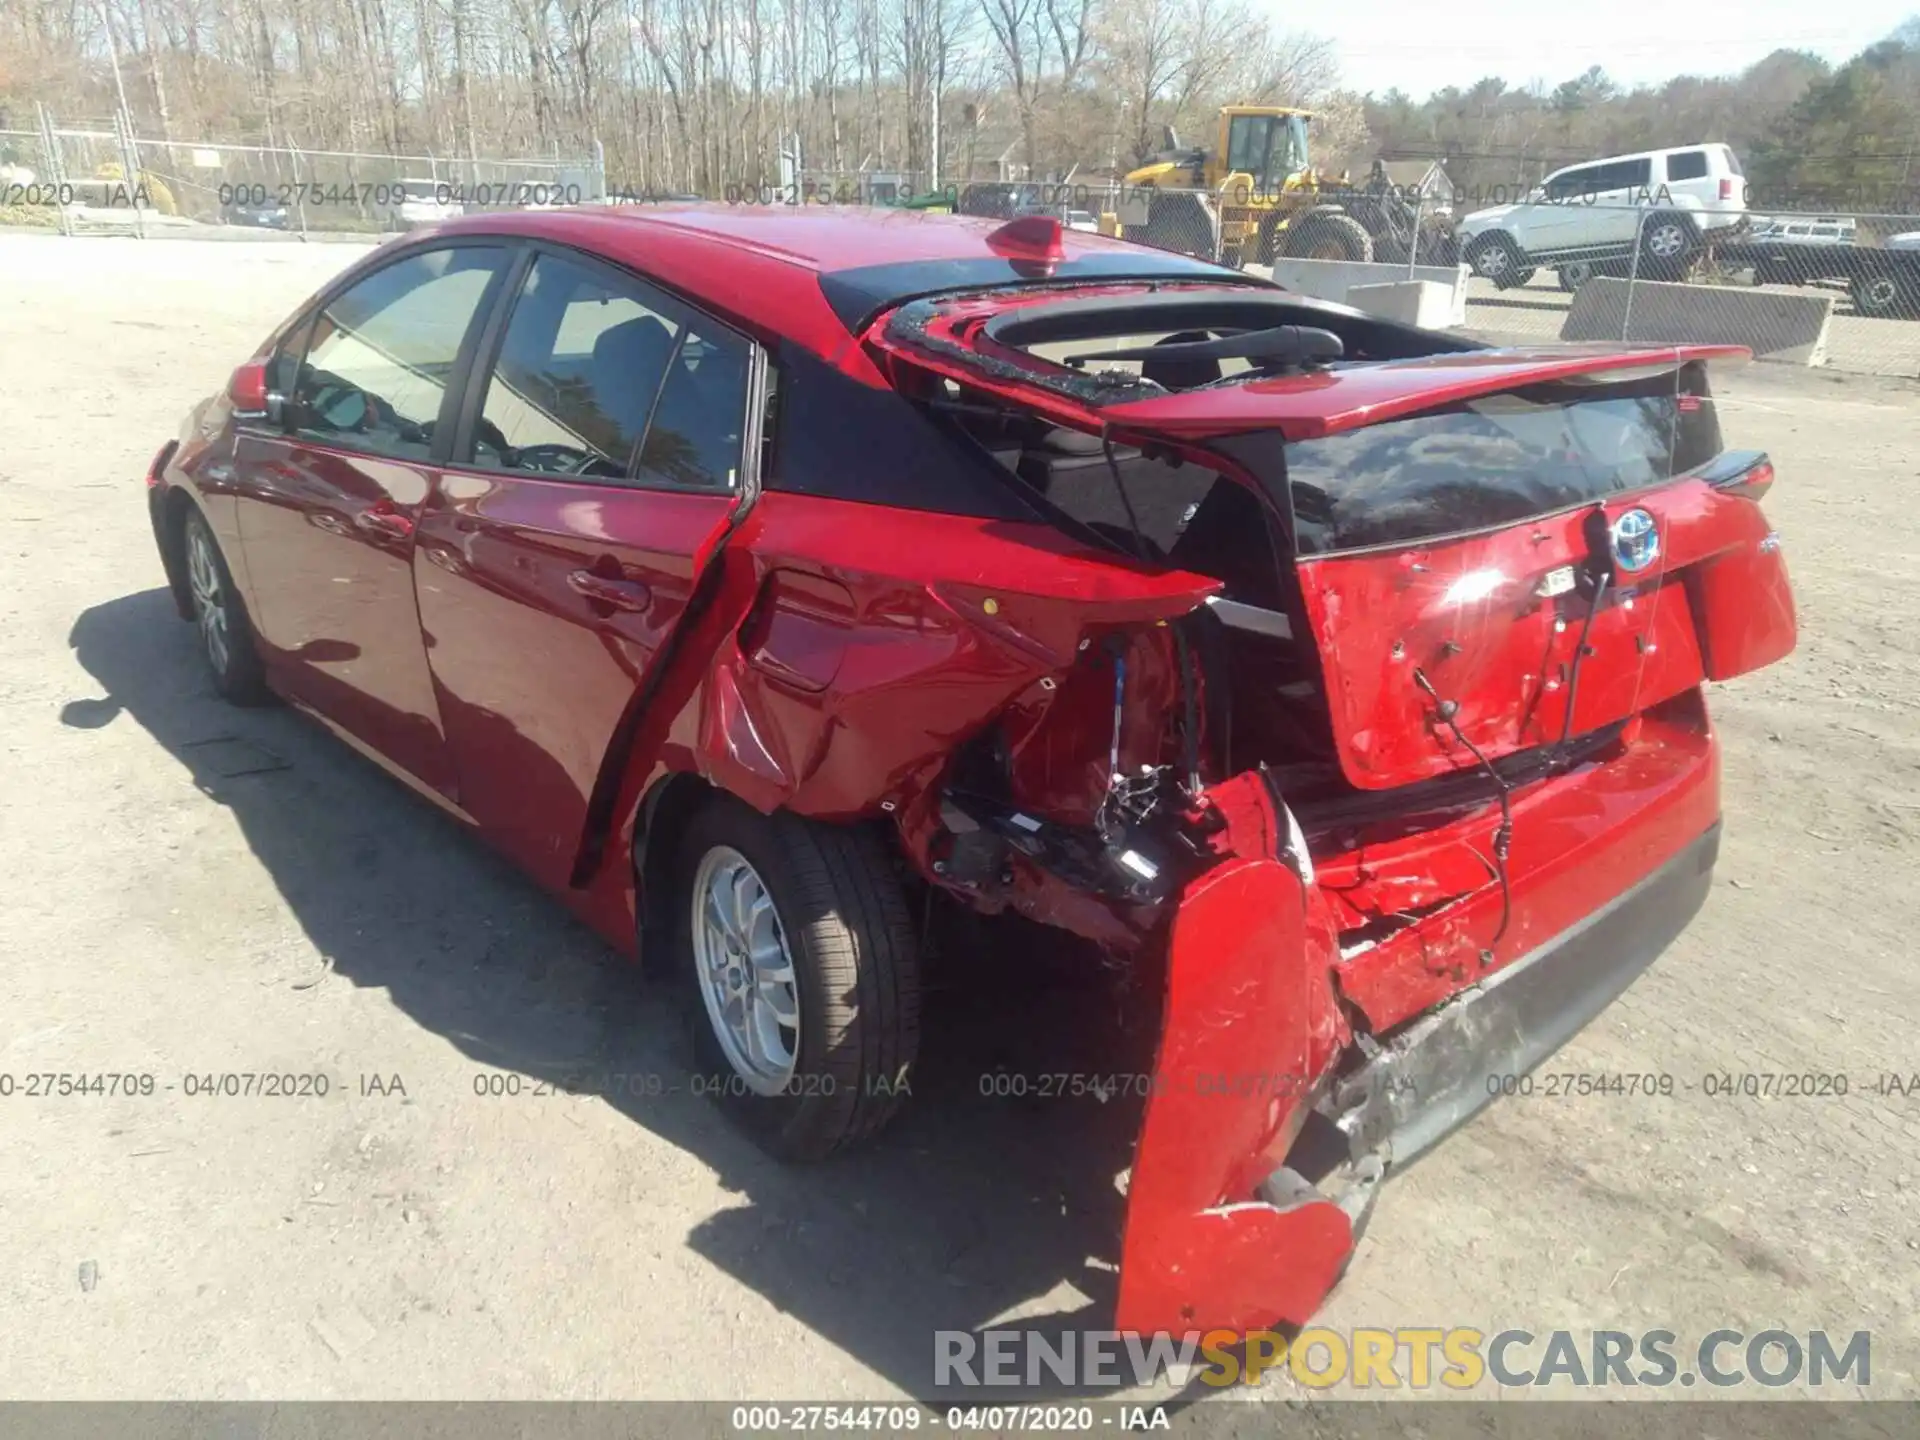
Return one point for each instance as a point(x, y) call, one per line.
point(1667, 242)
point(745, 971)
point(209, 596)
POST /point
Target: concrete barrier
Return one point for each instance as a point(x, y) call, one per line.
point(1411, 302)
point(1334, 279)
point(1788, 328)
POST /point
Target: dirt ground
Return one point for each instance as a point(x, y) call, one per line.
point(194, 889)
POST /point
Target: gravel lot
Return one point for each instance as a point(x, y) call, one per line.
point(195, 889)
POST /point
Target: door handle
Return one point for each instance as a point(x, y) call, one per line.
point(629, 595)
point(383, 519)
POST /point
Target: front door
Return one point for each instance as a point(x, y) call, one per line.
point(329, 500)
point(605, 461)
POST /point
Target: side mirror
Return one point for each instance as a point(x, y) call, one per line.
point(252, 399)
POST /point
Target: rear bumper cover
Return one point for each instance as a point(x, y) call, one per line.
point(1444, 1067)
point(1193, 1262)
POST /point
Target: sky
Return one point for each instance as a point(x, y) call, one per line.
point(1424, 45)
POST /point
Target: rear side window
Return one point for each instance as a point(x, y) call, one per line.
point(1496, 460)
point(693, 441)
point(602, 378)
point(840, 440)
point(381, 355)
point(1687, 165)
point(576, 378)
point(1624, 175)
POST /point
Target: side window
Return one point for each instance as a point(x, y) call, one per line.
point(1687, 165)
point(381, 356)
point(1628, 175)
point(1247, 143)
point(1574, 184)
point(579, 370)
point(694, 440)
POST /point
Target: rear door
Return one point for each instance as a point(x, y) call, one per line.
point(606, 445)
point(328, 502)
point(1624, 193)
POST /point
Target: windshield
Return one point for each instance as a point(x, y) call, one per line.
point(1267, 147)
point(1496, 459)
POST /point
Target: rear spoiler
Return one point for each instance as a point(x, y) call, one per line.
point(1324, 402)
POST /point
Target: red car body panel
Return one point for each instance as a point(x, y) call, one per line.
point(531, 589)
point(546, 656)
point(1468, 614)
point(331, 536)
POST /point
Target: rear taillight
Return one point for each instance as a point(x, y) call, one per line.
point(159, 465)
point(1726, 189)
point(1746, 473)
point(1756, 482)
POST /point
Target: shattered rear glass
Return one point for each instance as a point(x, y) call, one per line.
point(1495, 460)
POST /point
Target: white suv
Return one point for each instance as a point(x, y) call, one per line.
point(1589, 216)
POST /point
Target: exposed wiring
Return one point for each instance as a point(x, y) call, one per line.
point(1601, 575)
point(1135, 797)
point(1448, 711)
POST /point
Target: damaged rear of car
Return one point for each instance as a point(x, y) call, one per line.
point(1350, 672)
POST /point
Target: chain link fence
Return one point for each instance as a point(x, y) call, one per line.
point(1802, 287)
point(105, 178)
point(1805, 286)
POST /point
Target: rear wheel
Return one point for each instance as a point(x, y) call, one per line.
point(803, 961)
point(1668, 244)
point(226, 637)
point(1328, 235)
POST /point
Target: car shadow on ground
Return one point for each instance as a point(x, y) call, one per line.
point(973, 1203)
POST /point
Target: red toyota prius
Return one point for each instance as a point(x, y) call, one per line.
point(750, 575)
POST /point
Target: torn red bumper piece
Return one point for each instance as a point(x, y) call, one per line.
point(1226, 1102)
point(1271, 1124)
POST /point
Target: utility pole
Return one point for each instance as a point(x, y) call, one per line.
point(113, 58)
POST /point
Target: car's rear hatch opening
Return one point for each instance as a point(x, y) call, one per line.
point(1430, 563)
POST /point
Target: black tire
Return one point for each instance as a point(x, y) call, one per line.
point(1884, 295)
point(1574, 274)
point(850, 943)
point(1271, 238)
point(1327, 235)
point(1669, 244)
point(1179, 222)
point(220, 616)
point(1495, 257)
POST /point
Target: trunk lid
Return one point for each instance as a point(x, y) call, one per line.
point(1497, 570)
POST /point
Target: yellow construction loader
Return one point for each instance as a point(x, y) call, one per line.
point(1256, 195)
